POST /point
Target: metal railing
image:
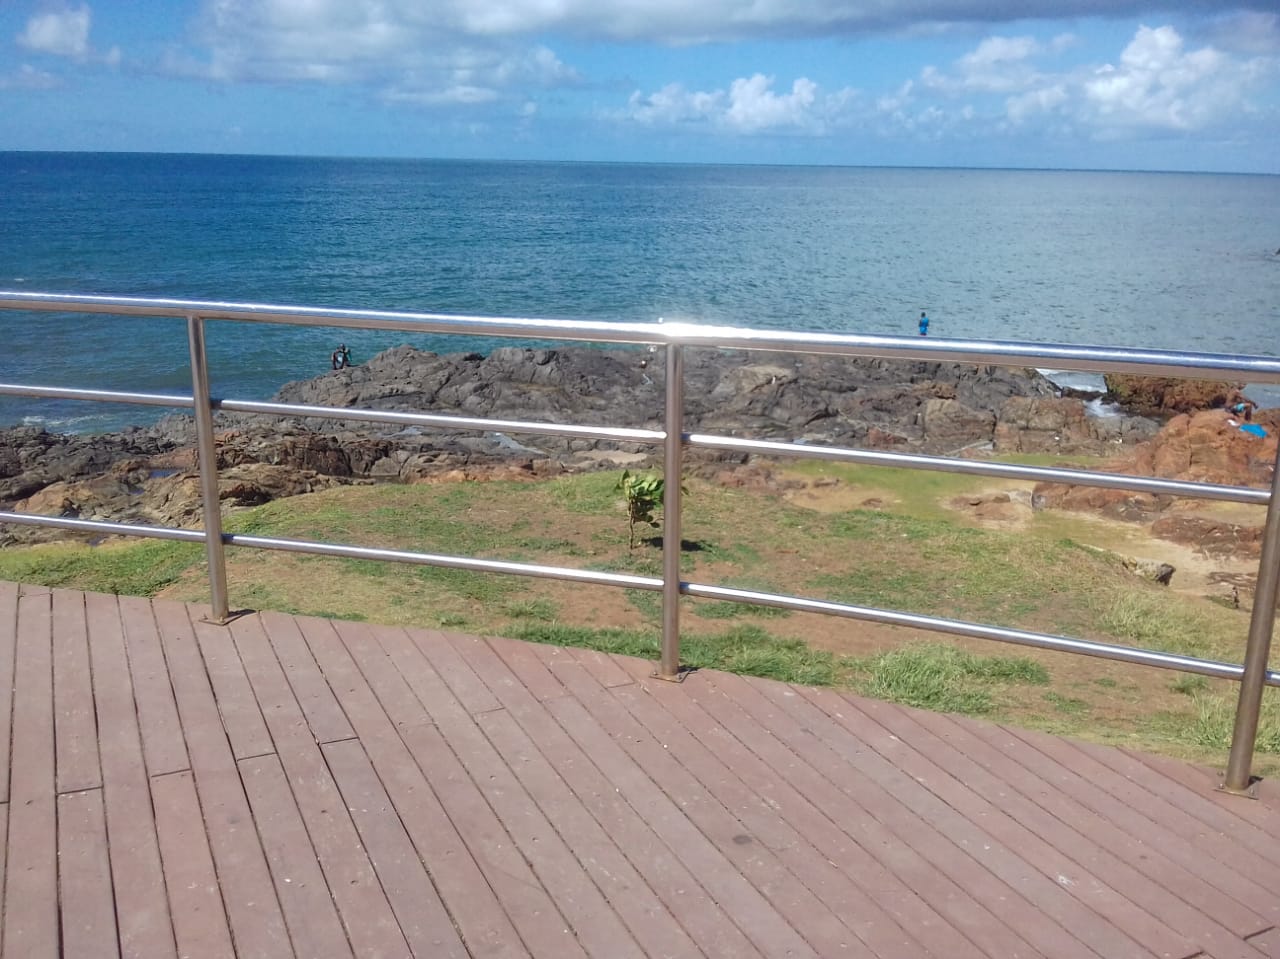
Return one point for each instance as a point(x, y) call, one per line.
point(1253, 675)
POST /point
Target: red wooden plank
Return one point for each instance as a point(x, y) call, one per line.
point(314, 925)
point(603, 667)
point(513, 813)
point(84, 873)
point(652, 892)
point(1172, 896)
point(4, 849)
point(598, 733)
point(423, 919)
point(239, 710)
point(30, 918)
point(1172, 848)
point(1267, 943)
point(745, 836)
point(362, 903)
point(199, 922)
point(257, 923)
point(75, 723)
point(310, 689)
point(8, 648)
point(142, 907)
point(1027, 909)
point(485, 927)
point(162, 739)
point(523, 659)
point(1249, 822)
point(961, 795)
point(467, 687)
point(891, 918)
point(534, 913)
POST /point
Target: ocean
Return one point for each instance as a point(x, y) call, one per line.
point(1165, 260)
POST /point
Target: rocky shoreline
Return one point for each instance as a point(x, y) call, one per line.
point(146, 474)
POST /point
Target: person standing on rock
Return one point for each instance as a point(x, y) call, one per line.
point(924, 325)
point(341, 357)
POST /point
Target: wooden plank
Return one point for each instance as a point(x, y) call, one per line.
point(474, 695)
point(891, 917)
point(362, 903)
point(30, 918)
point(162, 739)
point(1248, 822)
point(625, 858)
point(423, 919)
point(961, 794)
point(747, 837)
point(257, 923)
point(142, 905)
point(486, 930)
point(239, 710)
point(1155, 885)
point(84, 874)
point(311, 691)
point(1027, 909)
point(1267, 943)
point(403, 685)
point(603, 667)
point(525, 662)
point(4, 849)
point(601, 735)
point(199, 922)
point(315, 928)
point(8, 650)
point(1166, 844)
point(543, 857)
point(74, 719)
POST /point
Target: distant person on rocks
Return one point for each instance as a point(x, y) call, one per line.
point(341, 358)
point(1242, 408)
point(924, 325)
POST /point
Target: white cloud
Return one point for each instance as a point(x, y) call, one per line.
point(62, 33)
point(1156, 83)
point(750, 105)
point(27, 77)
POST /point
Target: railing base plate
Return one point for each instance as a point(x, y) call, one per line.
point(1248, 792)
point(677, 678)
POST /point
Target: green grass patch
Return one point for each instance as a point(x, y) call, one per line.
point(1215, 722)
point(134, 569)
point(944, 678)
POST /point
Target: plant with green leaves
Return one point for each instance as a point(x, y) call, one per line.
point(644, 498)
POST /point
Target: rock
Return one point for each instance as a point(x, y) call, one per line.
point(1163, 396)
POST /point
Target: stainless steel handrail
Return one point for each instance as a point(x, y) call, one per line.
point(1253, 674)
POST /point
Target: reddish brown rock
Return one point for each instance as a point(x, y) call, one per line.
point(1162, 396)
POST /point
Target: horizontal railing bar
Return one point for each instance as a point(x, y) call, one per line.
point(945, 464)
point(594, 577)
point(1066, 644)
point(102, 526)
point(1256, 369)
point(99, 396)
point(620, 434)
point(1048, 641)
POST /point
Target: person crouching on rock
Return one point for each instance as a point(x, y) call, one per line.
point(341, 358)
point(1237, 405)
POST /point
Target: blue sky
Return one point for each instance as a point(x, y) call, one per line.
point(1100, 84)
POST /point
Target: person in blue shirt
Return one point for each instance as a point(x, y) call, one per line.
point(924, 325)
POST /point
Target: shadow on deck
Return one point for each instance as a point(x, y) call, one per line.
point(292, 786)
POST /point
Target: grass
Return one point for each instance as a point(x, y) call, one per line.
point(917, 557)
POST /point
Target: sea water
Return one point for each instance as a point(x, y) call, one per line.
point(1176, 261)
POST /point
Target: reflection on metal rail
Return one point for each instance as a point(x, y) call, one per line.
point(1253, 675)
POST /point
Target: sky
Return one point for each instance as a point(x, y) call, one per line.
point(1060, 84)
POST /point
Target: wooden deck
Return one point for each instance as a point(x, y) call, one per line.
point(299, 787)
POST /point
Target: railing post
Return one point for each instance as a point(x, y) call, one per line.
point(207, 456)
point(673, 452)
point(1261, 624)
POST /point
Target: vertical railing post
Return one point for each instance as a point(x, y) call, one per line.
point(1258, 651)
point(207, 455)
point(673, 452)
